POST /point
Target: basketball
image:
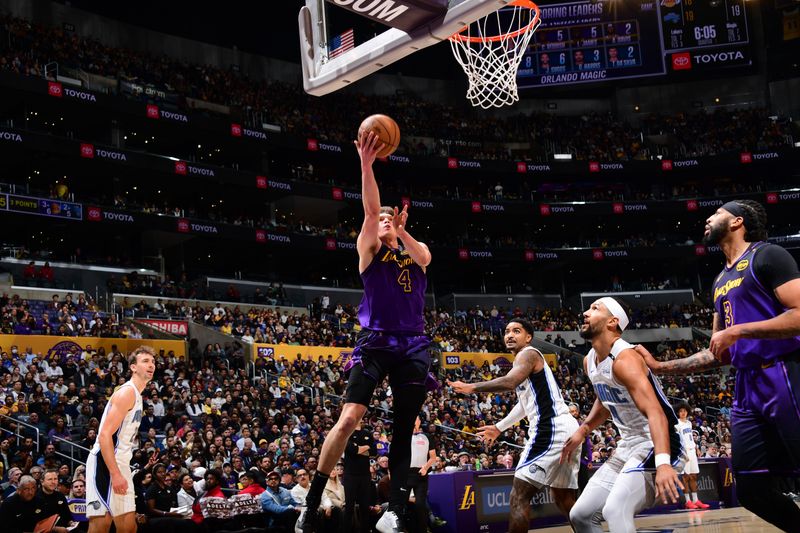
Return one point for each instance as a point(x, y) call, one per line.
point(386, 129)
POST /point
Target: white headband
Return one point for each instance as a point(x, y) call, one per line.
point(616, 310)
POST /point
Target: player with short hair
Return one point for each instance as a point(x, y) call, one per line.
point(691, 468)
point(757, 330)
point(392, 341)
point(632, 396)
point(551, 424)
point(109, 482)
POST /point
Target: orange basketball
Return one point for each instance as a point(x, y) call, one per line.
point(386, 129)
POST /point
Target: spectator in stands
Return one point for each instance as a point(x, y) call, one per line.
point(300, 490)
point(54, 501)
point(23, 509)
point(46, 274)
point(280, 507)
point(250, 485)
point(29, 274)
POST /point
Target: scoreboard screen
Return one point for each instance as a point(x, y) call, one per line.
point(588, 41)
point(704, 35)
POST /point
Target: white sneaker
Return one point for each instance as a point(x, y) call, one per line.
point(389, 523)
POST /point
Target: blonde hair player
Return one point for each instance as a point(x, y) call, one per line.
point(109, 482)
point(632, 396)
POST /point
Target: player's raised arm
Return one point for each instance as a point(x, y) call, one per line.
point(418, 251)
point(368, 146)
point(525, 363)
point(629, 369)
point(121, 402)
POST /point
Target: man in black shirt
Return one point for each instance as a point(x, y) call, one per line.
point(22, 510)
point(358, 487)
point(54, 501)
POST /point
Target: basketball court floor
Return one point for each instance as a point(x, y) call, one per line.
point(735, 520)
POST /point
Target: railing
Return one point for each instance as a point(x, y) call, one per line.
point(18, 430)
point(74, 453)
point(269, 375)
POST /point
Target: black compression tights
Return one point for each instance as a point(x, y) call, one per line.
point(407, 402)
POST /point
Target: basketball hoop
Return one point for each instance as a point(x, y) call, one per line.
point(490, 50)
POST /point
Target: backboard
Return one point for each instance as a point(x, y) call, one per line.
point(423, 22)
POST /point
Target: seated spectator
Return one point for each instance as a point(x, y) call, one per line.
point(250, 485)
point(282, 510)
point(300, 490)
point(333, 500)
point(24, 509)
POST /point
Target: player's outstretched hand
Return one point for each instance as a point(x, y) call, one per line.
point(119, 484)
point(572, 444)
point(400, 220)
point(649, 360)
point(368, 146)
point(460, 387)
point(667, 484)
point(488, 434)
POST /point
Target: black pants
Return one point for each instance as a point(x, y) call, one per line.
point(419, 522)
point(357, 490)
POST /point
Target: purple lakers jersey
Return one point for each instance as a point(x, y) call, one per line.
point(394, 293)
point(739, 297)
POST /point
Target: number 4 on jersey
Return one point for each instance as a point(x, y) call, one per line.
point(404, 279)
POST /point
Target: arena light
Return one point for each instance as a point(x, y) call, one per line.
point(797, 144)
point(562, 157)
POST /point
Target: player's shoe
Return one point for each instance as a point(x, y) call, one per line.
point(700, 505)
point(690, 505)
point(390, 523)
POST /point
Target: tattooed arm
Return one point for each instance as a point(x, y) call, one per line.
point(526, 363)
point(699, 362)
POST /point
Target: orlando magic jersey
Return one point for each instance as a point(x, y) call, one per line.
point(540, 396)
point(687, 438)
point(394, 293)
point(631, 423)
point(124, 437)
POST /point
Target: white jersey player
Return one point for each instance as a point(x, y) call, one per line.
point(551, 425)
point(109, 483)
point(691, 468)
point(632, 396)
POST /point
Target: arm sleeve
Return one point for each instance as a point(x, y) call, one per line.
point(516, 414)
point(774, 266)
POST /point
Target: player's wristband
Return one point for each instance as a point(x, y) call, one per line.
point(662, 459)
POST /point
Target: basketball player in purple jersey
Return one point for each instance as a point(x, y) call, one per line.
point(392, 341)
point(756, 325)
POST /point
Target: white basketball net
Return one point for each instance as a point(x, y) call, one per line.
point(490, 59)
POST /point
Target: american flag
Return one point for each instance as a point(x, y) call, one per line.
point(341, 44)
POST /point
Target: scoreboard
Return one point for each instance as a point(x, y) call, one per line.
point(705, 34)
point(589, 41)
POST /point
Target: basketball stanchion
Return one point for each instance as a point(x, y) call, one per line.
point(491, 49)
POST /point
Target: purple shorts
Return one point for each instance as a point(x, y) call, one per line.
point(765, 418)
point(404, 358)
